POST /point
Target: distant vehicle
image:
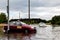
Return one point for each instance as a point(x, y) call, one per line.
point(19, 26)
point(41, 24)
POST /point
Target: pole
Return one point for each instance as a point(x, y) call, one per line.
point(19, 15)
point(8, 13)
point(29, 9)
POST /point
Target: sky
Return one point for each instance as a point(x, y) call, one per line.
point(44, 9)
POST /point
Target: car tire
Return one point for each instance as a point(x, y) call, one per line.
point(26, 31)
point(35, 30)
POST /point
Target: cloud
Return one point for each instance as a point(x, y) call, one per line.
point(22, 4)
point(46, 12)
point(45, 3)
point(44, 9)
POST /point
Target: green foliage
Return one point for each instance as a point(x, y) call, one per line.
point(56, 20)
point(34, 21)
point(3, 18)
point(48, 21)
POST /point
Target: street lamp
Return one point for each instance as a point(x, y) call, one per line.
point(8, 13)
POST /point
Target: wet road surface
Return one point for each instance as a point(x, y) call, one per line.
point(43, 33)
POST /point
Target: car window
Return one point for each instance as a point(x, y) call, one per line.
point(12, 23)
point(16, 23)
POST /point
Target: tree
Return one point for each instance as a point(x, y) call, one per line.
point(56, 20)
point(3, 18)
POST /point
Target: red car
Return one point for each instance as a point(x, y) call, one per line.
point(18, 26)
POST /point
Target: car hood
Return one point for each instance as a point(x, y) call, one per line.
point(27, 26)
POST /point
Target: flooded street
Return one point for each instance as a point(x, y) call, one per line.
point(43, 33)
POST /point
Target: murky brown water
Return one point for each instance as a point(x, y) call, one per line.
point(43, 33)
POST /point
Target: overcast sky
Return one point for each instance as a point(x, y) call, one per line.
point(44, 9)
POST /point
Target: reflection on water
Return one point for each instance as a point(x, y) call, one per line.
point(17, 36)
point(43, 33)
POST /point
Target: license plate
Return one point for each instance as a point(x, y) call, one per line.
point(19, 27)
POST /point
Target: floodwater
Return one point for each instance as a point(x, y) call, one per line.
point(43, 33)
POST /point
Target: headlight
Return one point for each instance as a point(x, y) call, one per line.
point(32, 27)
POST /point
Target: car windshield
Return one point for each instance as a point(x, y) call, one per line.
point(17, 23)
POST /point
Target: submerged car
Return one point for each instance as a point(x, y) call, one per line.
point(18, 26)
point(41, 24)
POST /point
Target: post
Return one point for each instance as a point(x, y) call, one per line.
point(19, 15)
point(29, 9)
point(8, 13)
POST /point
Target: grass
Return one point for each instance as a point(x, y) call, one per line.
point(1, 29)
point(1, 25)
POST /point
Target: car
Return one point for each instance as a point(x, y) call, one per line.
point(41, 24)
point(18, 26)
